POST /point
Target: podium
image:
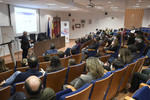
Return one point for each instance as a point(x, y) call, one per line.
point(10, 50)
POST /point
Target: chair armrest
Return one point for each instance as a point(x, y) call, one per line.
point(91, 49)
point(110, 51)
point(128, 98)
point(125, 46)
point(70, 87)
point(143, 84)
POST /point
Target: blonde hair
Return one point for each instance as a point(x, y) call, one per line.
point(94, 66)
point(2, 65)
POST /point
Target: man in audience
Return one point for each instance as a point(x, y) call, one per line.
point(61, 54)
point(34, 89)
point(32, 62)
point(134, 52)
point(52, 49)
point(47, 57)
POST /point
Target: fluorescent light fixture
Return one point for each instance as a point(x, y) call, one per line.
point(99, 7)
point(135, 6)
point(148, 6)
point(1, 1)
point(51, 4)
point(113, 7)
point(109, 2)
point(64, 7)
point(74, 9)
point(140, 1)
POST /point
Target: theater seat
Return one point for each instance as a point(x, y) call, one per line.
point(5, 93)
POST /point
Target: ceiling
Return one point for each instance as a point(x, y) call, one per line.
point(81, 5)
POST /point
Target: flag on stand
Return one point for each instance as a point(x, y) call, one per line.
point(53, 34)
point(48, 28)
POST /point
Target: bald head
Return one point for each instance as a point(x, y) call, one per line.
point(33, 85)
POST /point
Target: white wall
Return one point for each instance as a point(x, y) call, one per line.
point(99, 20)
point(4, 18)
point(146, 18)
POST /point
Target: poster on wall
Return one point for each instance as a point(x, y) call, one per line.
point(65, 30)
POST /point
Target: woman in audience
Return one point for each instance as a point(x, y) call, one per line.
point(3, 67)
point(72, 62)
point(134, 52)
point(116, 65)
point(114, 45)
point(125, 56)
point(55, 65)
point(94, 70)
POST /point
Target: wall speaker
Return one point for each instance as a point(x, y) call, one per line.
point(106, 13)
point(69, 15)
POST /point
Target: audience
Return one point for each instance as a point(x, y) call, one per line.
point(3, 67)
point(94, 70)
point(24, 62)
point(55, 65)
point(116, 65)
point(114, 45)
point(125, 56)
point(72, 62)
point(47, 57)
point(52, 49)
point(34, 89)
point(61, 54)
point(22, 76)
point(134, 52)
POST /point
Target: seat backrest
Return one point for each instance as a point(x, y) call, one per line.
point(80, 94)
point(44, 65)
point(77, 57)
point(100, 87)
point(115, 83)
point(56, 80)
point(10, 65)
point(22, 69)
point(6, 74)
point(142, 93)
point(127, 75)
point(75, 71)
point(18, 63)
point(105, 58)
point(139, 64)
point(64, 61)
point(41, 58)
point(5, 93)
point(53, 54)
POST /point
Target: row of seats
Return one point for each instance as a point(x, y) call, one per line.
point(106, 87)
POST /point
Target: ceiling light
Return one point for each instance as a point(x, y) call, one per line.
point(74, 9)
point(99, 7)
point(140, 1)
point(52, 4)
point(137, 4)
point(1, 1)
point(109, 2)
point(148, 6)
point(64, 7)
point(112, 5)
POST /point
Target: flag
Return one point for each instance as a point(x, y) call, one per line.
point(53, 35)
point(48, 28)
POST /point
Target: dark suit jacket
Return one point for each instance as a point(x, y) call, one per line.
point(24, 75)
point(112, 48)
point(25, 42)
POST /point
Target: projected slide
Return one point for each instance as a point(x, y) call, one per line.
point(25, 20)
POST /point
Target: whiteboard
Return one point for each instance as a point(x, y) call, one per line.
point(6, 33)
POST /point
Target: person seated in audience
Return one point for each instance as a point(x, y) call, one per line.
point(22, 76)
point(55, 65)
point(47, 57)
point(138, 78)
point(34, 88)
point(24, 62)
point(114, 45)
point(125, 56)
point(73, 51)
point(52, 49)
point(116, 65)
point(71, 62)
point(94, 70)
point(131, 39)
point(3, 67)
point(133, 50)
point(61, 54)
point(139, 40)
